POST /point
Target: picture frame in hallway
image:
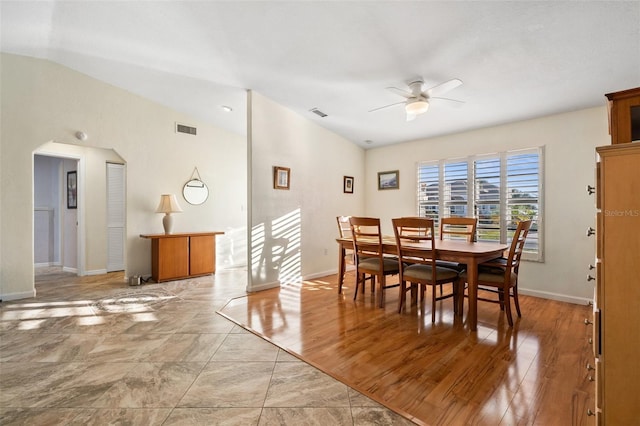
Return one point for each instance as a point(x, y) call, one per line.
point(281, 177)
point(347, 186)
point(389, 180)
point(72, 190)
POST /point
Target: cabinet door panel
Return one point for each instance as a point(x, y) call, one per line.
point(202, 255)
point(173, 257)
point(620, 326)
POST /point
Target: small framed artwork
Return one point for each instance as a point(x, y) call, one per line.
point(389, 180)
point(72, 190)
point(281, 177)
point(348, 185)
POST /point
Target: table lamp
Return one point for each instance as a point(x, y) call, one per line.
point(168, 204)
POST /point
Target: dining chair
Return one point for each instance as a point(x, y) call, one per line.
point(457, 228)
point(417, 263)
point(501, 275)
point(369, 256)
point(344, 228)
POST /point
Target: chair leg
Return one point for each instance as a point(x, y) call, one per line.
point(461, 288)
point(381, 295)
point(507, 310)
point(455, 297)
point(507, 306)
point(402, 296)
point(414, 294)
point(433, 304)
point(355, 294)
point(515, 300)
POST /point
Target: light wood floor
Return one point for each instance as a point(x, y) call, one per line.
point(533, 373)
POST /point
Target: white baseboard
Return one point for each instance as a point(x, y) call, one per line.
point(96, 272)
point(68, 269)
point(15, 296)
point(320, 274)
point(263, 286)
point(46, 264)
point(554, 296)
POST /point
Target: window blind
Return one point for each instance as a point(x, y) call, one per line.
point(499, 189)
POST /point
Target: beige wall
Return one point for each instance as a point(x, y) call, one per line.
point(304, 215)
point(44, 102)
point(569, 140)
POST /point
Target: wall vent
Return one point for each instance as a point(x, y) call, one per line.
point(182, 128)
point(318, 112)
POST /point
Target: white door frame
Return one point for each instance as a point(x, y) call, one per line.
point(80, 244)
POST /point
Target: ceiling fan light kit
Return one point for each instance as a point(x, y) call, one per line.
point(416, 107)
point(417, 99)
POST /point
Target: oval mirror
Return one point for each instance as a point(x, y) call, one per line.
point(195, 192)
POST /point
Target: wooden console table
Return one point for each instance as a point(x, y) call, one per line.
point(177, 256)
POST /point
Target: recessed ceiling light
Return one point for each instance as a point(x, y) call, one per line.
point(226, 108)
point(368, 141)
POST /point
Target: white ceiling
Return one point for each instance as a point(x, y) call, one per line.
point(517, 59)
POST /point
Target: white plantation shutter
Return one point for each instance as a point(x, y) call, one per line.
point(429, 190)
point(487, 198)
point(523, 190)
point(456, 178)
point(505, 189)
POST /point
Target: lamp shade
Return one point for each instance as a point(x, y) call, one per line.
point(417, 107)
point(168, 204)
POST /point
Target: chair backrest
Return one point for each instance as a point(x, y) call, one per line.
point(417, 233)
point(517, 244)
point(411, 232)
point(458, 227)
point(367, 239)
point(344, 227)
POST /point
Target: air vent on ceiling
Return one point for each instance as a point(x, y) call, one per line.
point(318, 112)
point(182, 128)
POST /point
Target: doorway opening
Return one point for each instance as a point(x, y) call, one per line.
point(74, 192)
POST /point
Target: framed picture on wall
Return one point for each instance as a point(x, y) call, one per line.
point(281, 177)
point(72, 190)
point(348, 185)
point(389, 180)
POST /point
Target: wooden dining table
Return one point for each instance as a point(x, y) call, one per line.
point(459, 251)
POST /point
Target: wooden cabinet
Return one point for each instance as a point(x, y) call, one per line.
point(616, 318)
point(176, 256)
point(624, 116)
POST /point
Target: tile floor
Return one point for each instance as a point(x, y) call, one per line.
point(94, 351)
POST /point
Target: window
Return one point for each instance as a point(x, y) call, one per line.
point(499, 189)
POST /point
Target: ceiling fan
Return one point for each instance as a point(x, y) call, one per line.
point(418, 100)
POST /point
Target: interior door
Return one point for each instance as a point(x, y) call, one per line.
point(116, 214)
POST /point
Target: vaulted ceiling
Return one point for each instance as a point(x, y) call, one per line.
point(517, 59)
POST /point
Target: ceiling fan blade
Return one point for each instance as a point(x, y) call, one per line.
point(387, 106)
point(443, 87)
point(400, 92)
point(452, 102)
point(445, 99)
